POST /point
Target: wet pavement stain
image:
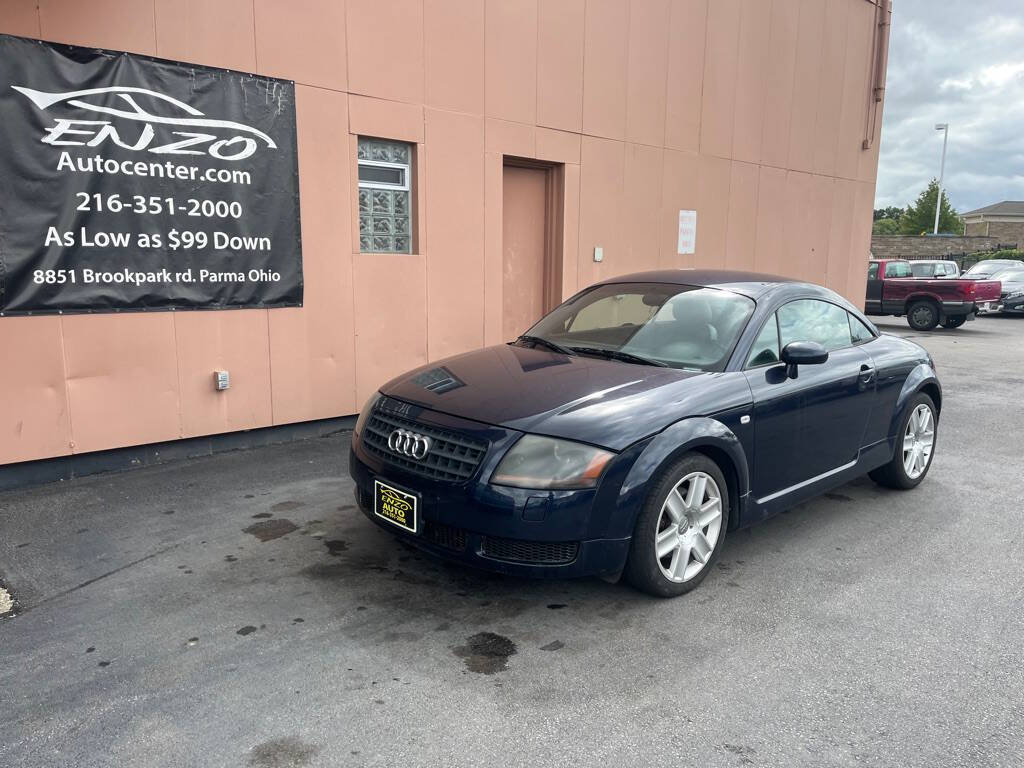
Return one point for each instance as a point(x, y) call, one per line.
point(268, 530)
point(336, 546)
point(486, 653)
point(103, 664)
point(287, 752)
point(557, 606)
point(248, 629)
point(230, 558)
point(90, 649)
point(261, 516)
point(553, 646)
point(285, 506)
point(838, 497)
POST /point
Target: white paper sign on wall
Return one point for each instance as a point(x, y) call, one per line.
point(687, 232)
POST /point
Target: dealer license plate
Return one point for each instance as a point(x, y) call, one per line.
point(398, 507)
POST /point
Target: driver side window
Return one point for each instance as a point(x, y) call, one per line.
point(813, 320)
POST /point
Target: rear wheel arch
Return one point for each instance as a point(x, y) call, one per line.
point(916, 297)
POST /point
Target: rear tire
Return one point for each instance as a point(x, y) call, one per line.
point(684, 518)
point(954, 322)
point(901, 472)
point(922, 315)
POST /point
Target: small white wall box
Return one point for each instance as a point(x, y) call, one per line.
point(221, 380)
point(598, 253)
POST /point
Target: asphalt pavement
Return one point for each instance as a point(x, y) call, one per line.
point(237, 610)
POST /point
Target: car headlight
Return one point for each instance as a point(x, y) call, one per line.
point(544, 462)
point(365, 413)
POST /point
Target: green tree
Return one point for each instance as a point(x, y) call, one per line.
point(889, 212)
point(885, 227)
point(919, 217)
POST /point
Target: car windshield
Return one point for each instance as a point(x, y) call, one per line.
point(1010, 276)
point(681, 326)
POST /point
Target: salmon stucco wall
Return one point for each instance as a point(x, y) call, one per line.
point(752, 113)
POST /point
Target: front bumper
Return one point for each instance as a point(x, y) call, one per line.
point(552, 534)
point(1015, 304)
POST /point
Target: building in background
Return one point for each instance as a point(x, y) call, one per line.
point(1004, 221)
point(522, 150)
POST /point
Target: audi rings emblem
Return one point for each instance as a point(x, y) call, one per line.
point(409, 444)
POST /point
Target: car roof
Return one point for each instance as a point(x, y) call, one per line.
point(751, 284)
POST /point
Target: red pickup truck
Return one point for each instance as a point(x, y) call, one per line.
point(893, 290)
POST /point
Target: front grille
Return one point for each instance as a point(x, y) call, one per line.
point(537, 552)
point(446, 536)
point(453, 458)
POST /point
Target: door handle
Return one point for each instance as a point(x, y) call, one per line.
point(867, 375)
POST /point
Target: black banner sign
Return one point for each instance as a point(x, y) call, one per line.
point(132, 183)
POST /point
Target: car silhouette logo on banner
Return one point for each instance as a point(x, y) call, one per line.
point(65, 132)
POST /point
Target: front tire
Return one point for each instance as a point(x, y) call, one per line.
point(680, 529)
point(915, 446)
point(922, 315)
point(954, 322)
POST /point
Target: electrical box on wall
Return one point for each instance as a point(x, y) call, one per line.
point(598, 253)
point(221, 380)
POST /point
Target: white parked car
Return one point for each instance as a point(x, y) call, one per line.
point(938, 269)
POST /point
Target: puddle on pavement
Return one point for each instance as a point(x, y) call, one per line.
point(290, 751)
point(266, 530)
point(336, 546)
point(486, 653)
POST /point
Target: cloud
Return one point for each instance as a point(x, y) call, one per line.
point(959, 62)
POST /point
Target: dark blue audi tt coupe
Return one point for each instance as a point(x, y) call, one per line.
point(639, 422)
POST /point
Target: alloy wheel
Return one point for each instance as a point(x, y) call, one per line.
point(688, 527)
point(918, 441)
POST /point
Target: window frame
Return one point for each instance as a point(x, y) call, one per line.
point(774, 315)
point(873, 265)
point(406, 186)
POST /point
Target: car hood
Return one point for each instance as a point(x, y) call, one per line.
point(603, 402)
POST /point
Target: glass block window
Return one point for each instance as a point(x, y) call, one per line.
point(385, 196)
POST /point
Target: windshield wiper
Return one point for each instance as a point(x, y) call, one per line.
point(616, 354)
point(541, 341)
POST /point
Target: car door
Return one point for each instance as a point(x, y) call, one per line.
point(873, 302)
point(813, 425)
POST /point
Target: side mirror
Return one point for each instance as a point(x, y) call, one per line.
point(802, 353)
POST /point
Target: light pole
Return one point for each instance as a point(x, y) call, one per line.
point(944, 127)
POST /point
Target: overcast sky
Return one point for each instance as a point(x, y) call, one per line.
point(959, 62)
